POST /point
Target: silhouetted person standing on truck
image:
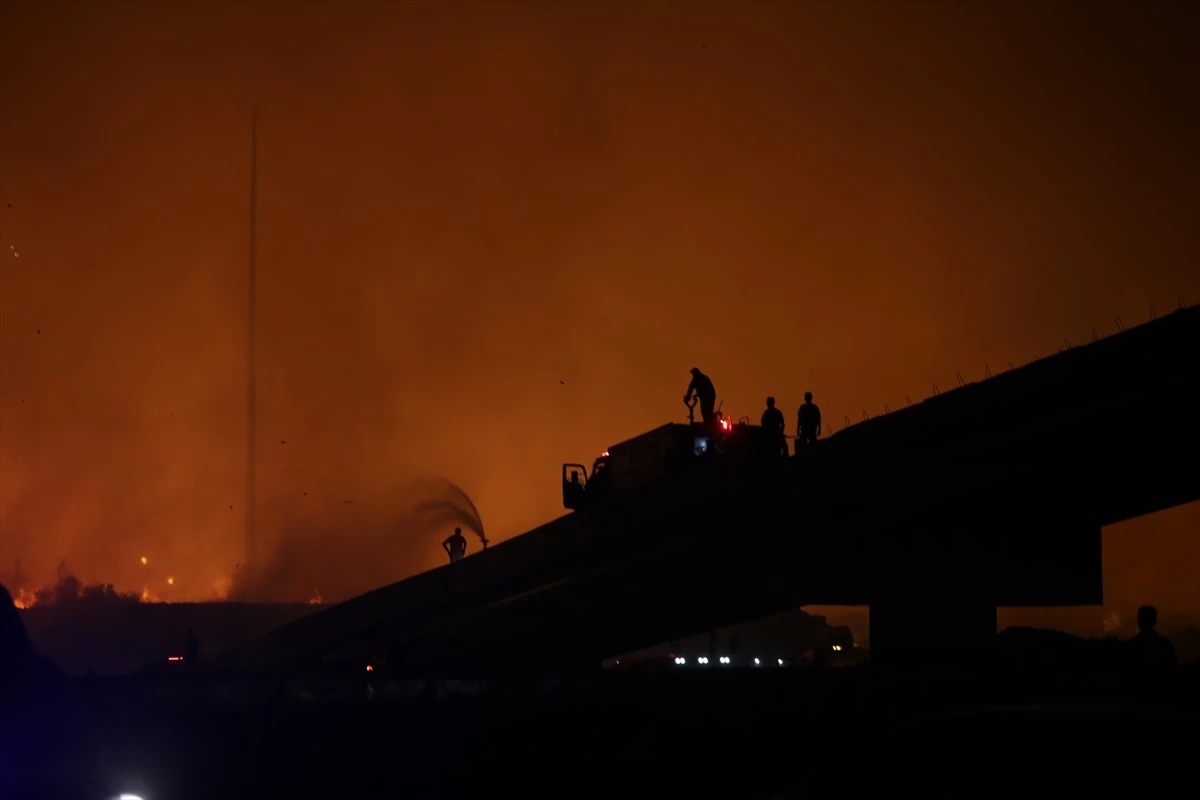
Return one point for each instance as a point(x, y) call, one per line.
point(773, 426)
point(702, 387)
point(455, 545)
point(808, 423)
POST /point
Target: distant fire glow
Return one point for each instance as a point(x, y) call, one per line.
point(144, 561)
point(68, 590)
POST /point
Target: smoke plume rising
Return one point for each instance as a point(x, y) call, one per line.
point(384, 539)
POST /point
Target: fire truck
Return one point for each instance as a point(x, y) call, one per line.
point(670, 448)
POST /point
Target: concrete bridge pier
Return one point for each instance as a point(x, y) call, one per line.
point(932, 595)
point(936, 587)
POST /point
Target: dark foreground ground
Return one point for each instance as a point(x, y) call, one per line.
point(116, 636)
point(679, 733)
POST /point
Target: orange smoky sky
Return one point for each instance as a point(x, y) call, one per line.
point(494, 237)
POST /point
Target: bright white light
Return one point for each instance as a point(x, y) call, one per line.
point(129, 797)
point(680, 660)
point(724, 659)
point(702, 660)
point(781, 662)
point(837, 647)
point(756, 661)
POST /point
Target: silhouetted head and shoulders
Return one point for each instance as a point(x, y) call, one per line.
point(456, 541)
point(1149, 649)
point(701, 384)
point(772, 418)
point(810, 413)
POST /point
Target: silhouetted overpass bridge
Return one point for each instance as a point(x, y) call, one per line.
point(993, 494)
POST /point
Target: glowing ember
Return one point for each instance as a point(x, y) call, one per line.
point(315, 600)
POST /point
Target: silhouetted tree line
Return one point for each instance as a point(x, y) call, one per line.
point(70, 591)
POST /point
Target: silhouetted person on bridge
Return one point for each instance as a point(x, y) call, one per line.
point(702, 387)
point(1149, 650)
point(455, 545)
point(773, 427)
point(808, 423)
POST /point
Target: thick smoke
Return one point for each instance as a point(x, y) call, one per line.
point(475, 229)
point(382, 539)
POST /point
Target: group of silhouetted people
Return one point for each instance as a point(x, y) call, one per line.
point(808, 417)
point(808, 424)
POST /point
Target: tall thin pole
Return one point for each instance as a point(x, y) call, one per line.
point(251, 355)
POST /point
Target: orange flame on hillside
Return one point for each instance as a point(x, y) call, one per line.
point(70, 589)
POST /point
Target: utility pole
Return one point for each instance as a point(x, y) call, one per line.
point(251, 344)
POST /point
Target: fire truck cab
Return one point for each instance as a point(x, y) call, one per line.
point(642, 459)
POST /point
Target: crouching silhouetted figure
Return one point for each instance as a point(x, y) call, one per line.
point(702, 387)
